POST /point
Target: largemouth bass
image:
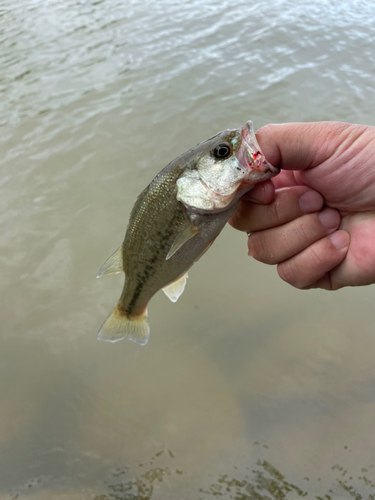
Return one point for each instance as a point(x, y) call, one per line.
point(175, 220)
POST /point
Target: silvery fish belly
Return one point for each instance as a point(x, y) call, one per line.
point(175, 220)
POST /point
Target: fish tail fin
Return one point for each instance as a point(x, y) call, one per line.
point(118, 326)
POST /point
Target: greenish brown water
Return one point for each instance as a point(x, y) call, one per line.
point(247, 387)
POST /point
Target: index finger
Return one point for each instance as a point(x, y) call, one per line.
point(290, 203)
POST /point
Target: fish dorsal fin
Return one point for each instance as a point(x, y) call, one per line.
point(113, 265)
point(182, 238)
point(175, 289)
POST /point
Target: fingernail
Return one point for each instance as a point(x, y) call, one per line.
point(311, 201)
point(339, 239)
point(329, 218)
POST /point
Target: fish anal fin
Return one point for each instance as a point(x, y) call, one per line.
point(113, 265)
point(119, 326)
point(175, 289)
point(184, 236)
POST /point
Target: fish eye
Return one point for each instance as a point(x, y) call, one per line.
point(222, 150)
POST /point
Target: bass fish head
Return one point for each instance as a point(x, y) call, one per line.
point(229, 164)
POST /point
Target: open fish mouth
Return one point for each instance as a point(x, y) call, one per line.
point(251, 158)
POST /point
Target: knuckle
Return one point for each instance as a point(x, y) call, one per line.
point(304, 269)
point(315, 259)
point(275, 215)
point(307, 230)
point(288, 272)
point(259, 248)
point(267, 129)
point(240, 220)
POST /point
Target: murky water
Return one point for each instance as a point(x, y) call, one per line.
point(247, 388)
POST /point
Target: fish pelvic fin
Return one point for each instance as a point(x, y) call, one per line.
point(113, 265)
point(119, 326)
point(175, 289)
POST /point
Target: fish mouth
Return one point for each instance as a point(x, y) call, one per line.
point(251, 158)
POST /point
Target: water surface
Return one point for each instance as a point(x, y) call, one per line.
point(247, 387)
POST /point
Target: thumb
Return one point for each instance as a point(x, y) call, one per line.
point(299, 146)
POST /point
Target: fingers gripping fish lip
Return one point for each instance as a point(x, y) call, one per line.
point(251, 158)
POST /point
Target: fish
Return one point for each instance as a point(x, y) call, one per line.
point(174, 221)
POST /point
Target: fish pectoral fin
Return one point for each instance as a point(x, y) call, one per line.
point(175, 289)
point(113, 265)
point(185, 235)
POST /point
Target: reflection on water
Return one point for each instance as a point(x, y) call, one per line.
point(140, 488)
point(263, 481)
point(95, 98)
point(267, 482)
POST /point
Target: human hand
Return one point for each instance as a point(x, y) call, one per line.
point(316, 219)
